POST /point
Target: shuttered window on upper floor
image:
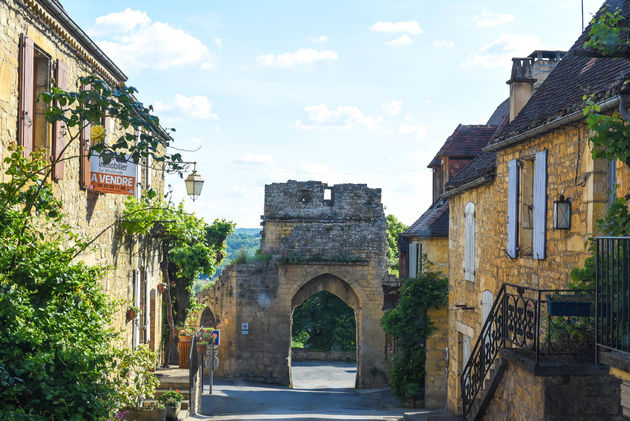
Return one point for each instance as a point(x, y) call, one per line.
point(35, 71)
point(527, 207)
point(469, 248)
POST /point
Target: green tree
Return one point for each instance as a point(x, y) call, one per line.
point(55, 345)
point(394, 229)
point(327, 323)
point(408, 326)
point(189, 247)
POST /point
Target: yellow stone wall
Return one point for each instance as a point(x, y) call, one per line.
point(436, 250)
point(572, 173)
point(90, 213)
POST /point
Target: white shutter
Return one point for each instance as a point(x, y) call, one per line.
point(540, 204)
point(148, 171)
point(419, 260)
point(136, 299)
point(469, 251)
point(413, 260)
point(512, 219)
point(147, 306)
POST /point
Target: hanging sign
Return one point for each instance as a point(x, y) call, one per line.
point(117, 177)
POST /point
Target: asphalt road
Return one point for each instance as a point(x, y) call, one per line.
point(322, 391)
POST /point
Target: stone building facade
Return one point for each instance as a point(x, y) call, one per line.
point(541, 157)
point(318, 237)
point(40, 43)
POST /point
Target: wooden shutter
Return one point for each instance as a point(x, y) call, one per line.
point(469, 251)
point(149, 184)
point(85, 171)
point(26, 108)
point(413, 260)
point(540, 204)
point(512, 219)
point(419, 264)
point(60, 128)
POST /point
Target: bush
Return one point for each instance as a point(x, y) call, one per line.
point(135, 376)
point(408, 325)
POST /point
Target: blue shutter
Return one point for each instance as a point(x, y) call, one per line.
point(413, 260)
point(540, 204)
point(512, 220)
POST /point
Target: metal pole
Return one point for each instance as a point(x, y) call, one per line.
point(582, 1)
point(211, 366)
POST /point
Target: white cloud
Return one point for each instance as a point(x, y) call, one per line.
point(410, 27)
point(443, 44)
point(135, 42)
point(499, 53)
point(392, 107)
point(301, 56)
point(492, 20)
point(183, 107)
point(206, 65)
point(345, 117)
point(238, 190)
point(417, 130)
point(403, 39)
point(250, 158)
point(321, 38)
point(218, 42)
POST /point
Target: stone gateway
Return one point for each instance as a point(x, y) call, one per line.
point(317, 238)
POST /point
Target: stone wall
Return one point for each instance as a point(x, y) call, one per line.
point(90, 213)
point(572, 173)
point(338, 245)
point(435, 381)
point(299, 354)
point(569, 395)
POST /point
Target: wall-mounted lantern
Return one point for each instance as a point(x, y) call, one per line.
point(562, 214)
point(194, 183)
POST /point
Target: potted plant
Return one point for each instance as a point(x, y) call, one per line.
point(183, 346)
point(172, 401)
point(132, 311)
point(202, 346)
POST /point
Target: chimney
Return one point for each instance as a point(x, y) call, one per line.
point(521, 85)
point(527, 76)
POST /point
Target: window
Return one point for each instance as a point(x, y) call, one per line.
point(34, 74)
point(612, 181)
point(527, 207)
point(469, 252)
point(415, 260)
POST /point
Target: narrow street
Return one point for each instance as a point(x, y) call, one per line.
point(323, 391)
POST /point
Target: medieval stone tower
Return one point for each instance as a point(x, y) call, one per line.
point(318, 238)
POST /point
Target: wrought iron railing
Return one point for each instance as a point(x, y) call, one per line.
point(522, 318)
point(612, 292)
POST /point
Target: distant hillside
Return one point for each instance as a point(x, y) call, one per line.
point(247, 239)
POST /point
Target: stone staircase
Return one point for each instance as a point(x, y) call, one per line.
point(495, 374)
point(173, 379)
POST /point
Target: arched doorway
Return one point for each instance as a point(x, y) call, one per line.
point(207, 318)
point(336, 296)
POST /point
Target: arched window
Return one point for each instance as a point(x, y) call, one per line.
point(469, 252)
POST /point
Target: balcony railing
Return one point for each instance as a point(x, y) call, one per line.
point(612, 292)
point(539, 322)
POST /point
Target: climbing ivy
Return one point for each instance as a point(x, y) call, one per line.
point(408, 326)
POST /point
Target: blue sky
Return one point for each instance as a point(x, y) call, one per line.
point(343, 91)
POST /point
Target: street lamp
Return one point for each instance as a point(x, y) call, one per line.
point(194, 183)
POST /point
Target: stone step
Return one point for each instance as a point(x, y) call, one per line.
point(185, 392)
point(173, 384)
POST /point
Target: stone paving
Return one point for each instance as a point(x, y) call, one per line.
point(323, 391)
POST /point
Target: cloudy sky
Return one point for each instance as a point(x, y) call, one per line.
point(344, 91)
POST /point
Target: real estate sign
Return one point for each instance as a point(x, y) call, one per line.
point(118, 177)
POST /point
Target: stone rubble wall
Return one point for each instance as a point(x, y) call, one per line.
point(338, 245)
point(571, 172)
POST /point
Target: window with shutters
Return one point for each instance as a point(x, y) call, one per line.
point(415, 260)
point(469, 248)
point(527, 207)
point(34, 78)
